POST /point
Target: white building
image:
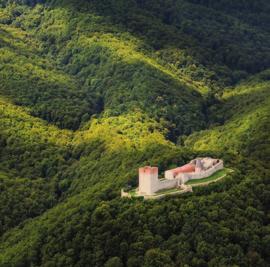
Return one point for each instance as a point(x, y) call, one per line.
point(199, 168)
point(149, 183)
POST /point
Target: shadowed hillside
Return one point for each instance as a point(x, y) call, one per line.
point(92, 90)
point(104, 73)
point(245, 111)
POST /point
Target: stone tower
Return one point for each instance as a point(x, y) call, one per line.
point(148, 180)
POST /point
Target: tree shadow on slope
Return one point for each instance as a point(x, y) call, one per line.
point(129, 81)
point(246, 128)
point(101, 79)
point(29, 146)
point(213, 39)
point(248, 95)
point(32, 81)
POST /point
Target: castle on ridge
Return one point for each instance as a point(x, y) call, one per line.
point(198, 168)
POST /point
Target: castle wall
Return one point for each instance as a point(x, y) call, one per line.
point(169, 175)
point(208, 162)
point(155, 185)
point(125, 194)
point(149, 182)
point(165, 184)
point(185, 177)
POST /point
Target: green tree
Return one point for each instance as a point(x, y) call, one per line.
point(114, 262)
point(157, 258)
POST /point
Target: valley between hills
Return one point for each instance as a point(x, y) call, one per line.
point(92, 90)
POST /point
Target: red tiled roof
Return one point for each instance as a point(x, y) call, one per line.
point(184, 169)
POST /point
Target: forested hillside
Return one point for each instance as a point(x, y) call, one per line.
point(92, 90)
point(244, 113)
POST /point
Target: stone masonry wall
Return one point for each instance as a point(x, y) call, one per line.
point(149, 183)
point(165, 184)
point(200, 175)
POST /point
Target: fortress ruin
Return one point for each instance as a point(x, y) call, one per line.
point(199, 168)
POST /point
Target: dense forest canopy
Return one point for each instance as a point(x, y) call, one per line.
point(92, 90)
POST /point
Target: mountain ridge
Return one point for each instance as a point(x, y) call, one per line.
point(91, 91)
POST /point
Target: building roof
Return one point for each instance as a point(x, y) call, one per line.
point(184, 169)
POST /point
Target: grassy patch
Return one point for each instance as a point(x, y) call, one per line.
point(211, 178)
point(166, 191)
